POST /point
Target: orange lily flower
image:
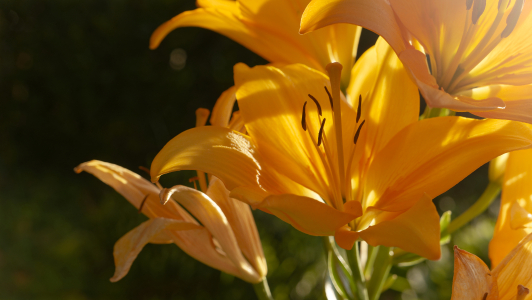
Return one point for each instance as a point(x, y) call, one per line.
point(465, 55)
point(515, 217)
point(227, 238)
point(360, 166)
point(270, 29)
point(510, 280)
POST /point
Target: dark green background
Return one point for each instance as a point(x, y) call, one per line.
point(78, 82)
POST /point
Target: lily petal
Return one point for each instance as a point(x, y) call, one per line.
point(137, 190)
point(435, 154)
point(516, 194)
point(390, 99)
point(224, 153)
point(269, 28)
point(306, 214)
point(518, 100)
point(212, 217)
point(472, 279)
point(514, 269)
point(375, 15)
point(415, 61)
point(242, 222)
point(416, 230)
point(129, 246)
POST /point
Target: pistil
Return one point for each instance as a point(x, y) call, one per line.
point(335, 71)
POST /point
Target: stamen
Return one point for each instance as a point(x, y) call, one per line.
point(513, 16)
point(468, 4)
point(429, 63)
point(478, 9)
point(330, 97)
point(522, 292)
point(193, 179)
point(142, 203)
point(485, 296)
point(359, 111)
point(320, 133)
point(144, 169)
point(358, 131)
point(317, 103)
point(303, 119)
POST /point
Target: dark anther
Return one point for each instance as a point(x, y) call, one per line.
point(142, 203)
point(429, 63)
point(358, 131)
point(330, 97)
point(321, 131)
point(478, 9)
point(359, 111)
point(513, 16)
point(303, 119)
point(485, 296)
point(317, 103)
point(468, 4)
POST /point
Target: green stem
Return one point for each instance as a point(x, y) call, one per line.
point(336, 263)
point(491, 192)
point(380, 272)
point(262, 289)
point(358, 272)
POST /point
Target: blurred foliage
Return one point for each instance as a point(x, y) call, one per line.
point(78, 82)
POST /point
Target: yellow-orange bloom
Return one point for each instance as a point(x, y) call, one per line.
point(515, 217)
point(270, 28)
point(510, 280)
point(360, 166)
point(466, 55)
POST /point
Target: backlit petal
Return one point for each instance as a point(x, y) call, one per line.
point(390, 102)
point(472, 279)
point(416, 230)
point(306, 214)
point(215, 150)
point(514, 270)
point(518, 100)
point(516, 194)
point(433, 155)
point(270, 29)
point(375, 15)
point(434, 23)
point(129, 246)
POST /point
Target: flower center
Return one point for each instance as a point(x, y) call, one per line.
point(453, 77)
point(335, 167)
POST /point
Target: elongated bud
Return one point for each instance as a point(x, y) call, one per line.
point(497, 168)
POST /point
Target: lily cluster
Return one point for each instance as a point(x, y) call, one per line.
point(338, 147)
